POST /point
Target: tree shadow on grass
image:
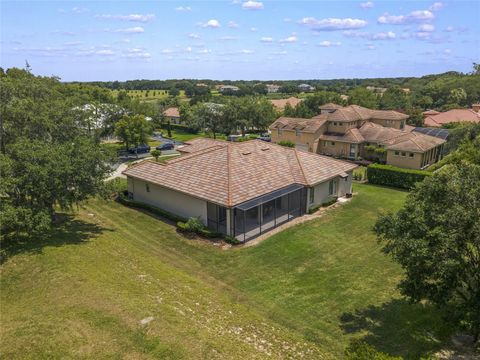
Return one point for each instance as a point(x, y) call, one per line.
point(399, 328)
point(69, 231)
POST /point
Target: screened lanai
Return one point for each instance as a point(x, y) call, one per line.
point(261, 214)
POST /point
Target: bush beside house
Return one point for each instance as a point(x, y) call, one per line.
point(389, 175)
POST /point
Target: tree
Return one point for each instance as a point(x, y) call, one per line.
point(363, 97)
point(173, 91)
point(314, 101)
point(435, 237)
point(47, 161)
point(415, 116)
point(208, 116)
point(156, 154)
point(457, 96)
point(133, 130)
point(394, 98)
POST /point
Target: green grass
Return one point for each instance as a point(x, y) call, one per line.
point(313, 287)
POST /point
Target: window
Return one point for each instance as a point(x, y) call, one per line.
point(279, 131)
point(147, 187)
point(411, 155)
point(402, 124)
point(332, 187)
point(312, 195)
point(404, 153)
point(397, 153)
point(297, 132)
point(325, 143)
point(332, 143)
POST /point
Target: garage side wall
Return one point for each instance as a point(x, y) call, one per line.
point(167, 199)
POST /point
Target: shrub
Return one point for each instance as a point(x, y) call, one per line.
point(232, 240)
point(380, 151)
point(194, 225)
point(370, 147)
point(286, 143)
point(156, 154)
point(122, 199)
point(116, 185)
point(389, 175)
point(330, 202)
point(314, 208)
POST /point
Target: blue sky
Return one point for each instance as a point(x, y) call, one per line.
point(121, 40)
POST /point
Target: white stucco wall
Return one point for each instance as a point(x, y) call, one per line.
point(321, 190)
point(168, 199)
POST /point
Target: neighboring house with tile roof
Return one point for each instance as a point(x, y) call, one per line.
point(279, 104)
point(454, 116)
point(172, 114)
point(355, 132)
point(240, 189)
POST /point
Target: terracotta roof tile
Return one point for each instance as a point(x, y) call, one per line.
point(305, 125)
point(280, 104)
point(231, 173)
point(452, 116)
point(172, 112)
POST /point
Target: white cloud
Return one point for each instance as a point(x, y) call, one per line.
point(132, 30)
point(427, 28)
point(253, 29)
point(137, 53)
point(290, 39)
point(212, 24)
point(283, 52)
point(167, 51)
point(436, 6)
point(245, 51)
point(390, 35)
point(183, 9)
point(371, 47)
point(414, 16)
point(227, 38)
point(447, 51)
point(266, 39)
point(384, 36)
point(327, 43)
point(132, 17)
point(367, 5)
point(287, 20)
point(204, 51)
point(252, 5)
point(332, 24)
point(232, 24)
point(194, 36)
point(188, 49)
point(79, 10)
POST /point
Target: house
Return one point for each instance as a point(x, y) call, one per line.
point(329, 108)
point(429, 113)
point(271, 88)
point(240, 189)
point(305, 87)
point(453, 116)
point(228, 88)
point(172, 114)
point(355, 133)
point(280, 104)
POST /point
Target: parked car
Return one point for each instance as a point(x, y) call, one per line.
point(140, 149)
point(265, 137)
point(166, 146)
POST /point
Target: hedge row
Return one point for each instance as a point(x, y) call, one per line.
point(179, 220)
point(122, 199)
point(389, 175)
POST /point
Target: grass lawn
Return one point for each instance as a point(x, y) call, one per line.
point(303, 292)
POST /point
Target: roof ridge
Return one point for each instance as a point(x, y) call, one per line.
point(301, 167)
point(196, 153)
point(229, 173)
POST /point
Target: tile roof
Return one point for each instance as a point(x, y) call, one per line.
point(305, 125)
point(231, 173)
point(280, 104)
point(430, 112)
point(330, 106)
point(350, 136)
point(395, 139)
point(452, 116)
point(198, 144)
point(172, 112)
